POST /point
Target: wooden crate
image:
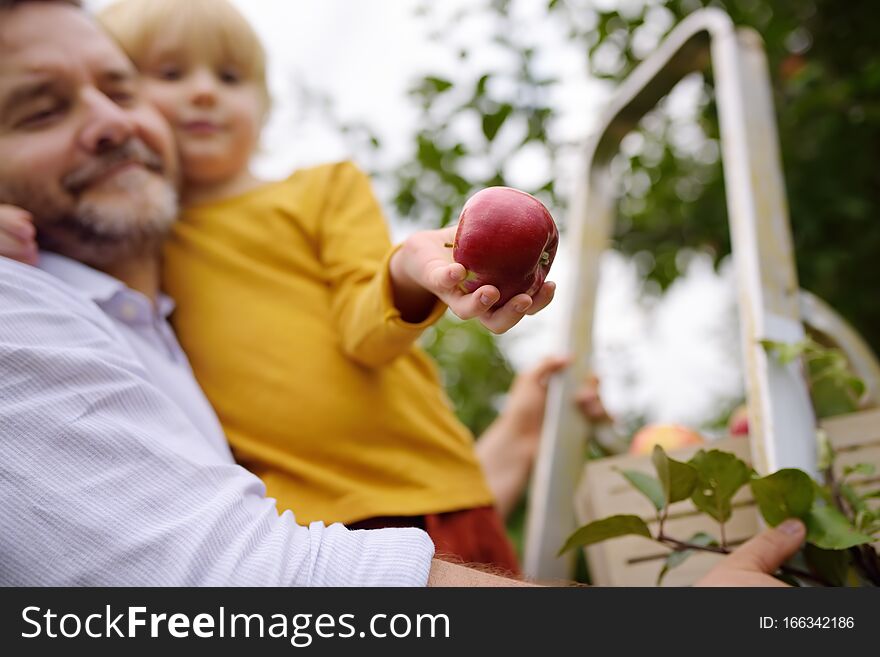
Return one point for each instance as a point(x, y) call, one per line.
point(636, 561)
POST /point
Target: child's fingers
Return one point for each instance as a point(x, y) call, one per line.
point(17, 222)
point(543, 298)
point(468, 306)
point(18, 249)
point(445, 278)
point(549, 366)
point(506, 317)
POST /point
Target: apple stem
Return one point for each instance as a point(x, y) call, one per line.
point(449, 245)
point(545, 258)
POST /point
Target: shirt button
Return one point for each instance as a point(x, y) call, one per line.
point(129, 312)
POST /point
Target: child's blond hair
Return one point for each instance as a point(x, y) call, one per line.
point(214, 29)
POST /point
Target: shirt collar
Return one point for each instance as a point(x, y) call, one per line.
point(103, 289)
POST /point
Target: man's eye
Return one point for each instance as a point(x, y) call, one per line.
point(40, 117)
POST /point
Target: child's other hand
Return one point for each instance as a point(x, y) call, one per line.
point(589, 402)
point(426, 261)
point(17, 235)
point(527, 399)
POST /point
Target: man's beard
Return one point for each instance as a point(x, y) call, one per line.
point(102, 221)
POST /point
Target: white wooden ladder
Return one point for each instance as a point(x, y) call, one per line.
point(781, 418)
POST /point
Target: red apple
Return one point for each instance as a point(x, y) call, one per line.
point(505, 238)
point(738, 424)
point(668, 436)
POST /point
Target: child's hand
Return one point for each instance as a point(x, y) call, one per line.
point(424, 264)
point(17, 235)
point(527, 399)
point(590, 403)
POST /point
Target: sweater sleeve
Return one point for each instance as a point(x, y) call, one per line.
point(105, 482)
point(355, 251)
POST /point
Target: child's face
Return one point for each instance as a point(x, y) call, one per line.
point(215, 114)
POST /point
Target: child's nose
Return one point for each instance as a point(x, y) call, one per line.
point(204, 88)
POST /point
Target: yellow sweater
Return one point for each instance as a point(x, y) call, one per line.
point(284, 308)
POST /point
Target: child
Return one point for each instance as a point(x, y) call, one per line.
point(298, 316)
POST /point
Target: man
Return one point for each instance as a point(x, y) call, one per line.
point(114, 469)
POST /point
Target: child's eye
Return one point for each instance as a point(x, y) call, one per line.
point(170, 73)
point(229, 76)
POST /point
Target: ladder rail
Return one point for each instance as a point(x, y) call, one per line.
point(779, 407)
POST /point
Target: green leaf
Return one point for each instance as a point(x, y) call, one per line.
point(438, 85)
point(857, 386)
point(825, 450)
point(602, 530)
point(480, 89)
point(785, 352)
point(676, 478)
point(833, 388)
point(784, 494)
point(831, 397)
point(829, 529)
point(822, 493)
point(719, 476)
point(678, 557)
point(647, 485)
point(493, 121)
point(831, 565)
point(866, 520)
point(866, 469)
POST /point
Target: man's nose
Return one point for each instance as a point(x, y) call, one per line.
point(108, 124)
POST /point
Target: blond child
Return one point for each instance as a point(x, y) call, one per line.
point(300, 318)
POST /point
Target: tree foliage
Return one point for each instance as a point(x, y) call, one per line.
point(825, 69)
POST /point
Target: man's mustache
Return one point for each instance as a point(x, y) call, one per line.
point(132, 151)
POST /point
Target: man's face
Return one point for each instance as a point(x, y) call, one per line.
point(79, 147)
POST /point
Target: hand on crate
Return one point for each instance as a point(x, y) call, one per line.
point(754, 562)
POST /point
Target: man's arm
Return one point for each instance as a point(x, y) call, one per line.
point(446, 574)
point(106, 482)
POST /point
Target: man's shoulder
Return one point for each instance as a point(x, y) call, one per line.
point(27, 288)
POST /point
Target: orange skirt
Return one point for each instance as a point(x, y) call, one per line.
point(471, 535)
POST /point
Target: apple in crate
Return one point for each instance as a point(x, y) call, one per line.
point(505, 238)
point(668, 436)
point(738, 424)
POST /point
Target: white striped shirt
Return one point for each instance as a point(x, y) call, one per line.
point(112, 475)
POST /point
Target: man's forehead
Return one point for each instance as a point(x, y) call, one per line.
point(40, 39)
